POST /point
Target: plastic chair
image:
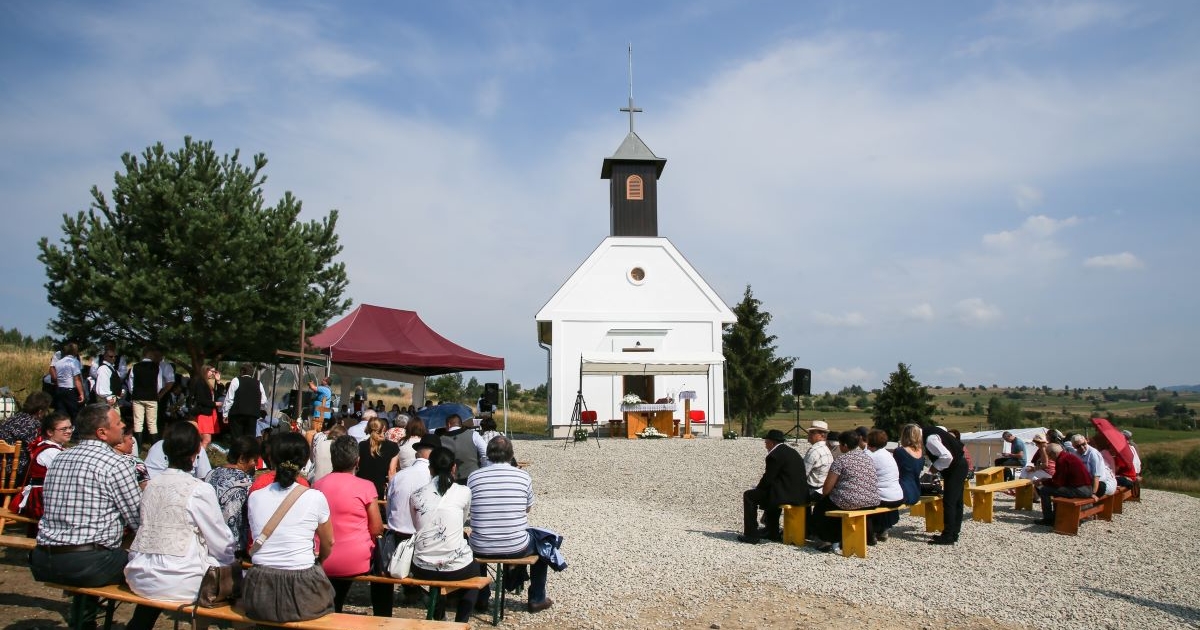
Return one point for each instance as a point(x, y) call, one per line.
point(697, 417)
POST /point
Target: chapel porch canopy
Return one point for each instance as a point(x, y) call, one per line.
point(648, 363)
point(377, 339)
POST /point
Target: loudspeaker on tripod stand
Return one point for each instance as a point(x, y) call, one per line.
point(801, 382)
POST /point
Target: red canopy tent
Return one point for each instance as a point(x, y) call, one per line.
point(392, 339)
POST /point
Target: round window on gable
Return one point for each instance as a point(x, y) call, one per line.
point(637, 275)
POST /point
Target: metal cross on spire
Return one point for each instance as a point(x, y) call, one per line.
point(631, 109)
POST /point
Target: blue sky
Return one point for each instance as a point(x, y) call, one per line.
point(991, 192)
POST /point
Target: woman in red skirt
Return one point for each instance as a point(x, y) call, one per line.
point(204, 403)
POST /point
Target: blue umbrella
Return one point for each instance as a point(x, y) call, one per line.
point(435, 417)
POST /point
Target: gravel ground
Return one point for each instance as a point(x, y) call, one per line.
point(650, 529)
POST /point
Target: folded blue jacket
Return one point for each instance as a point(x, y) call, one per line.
point(548, 543)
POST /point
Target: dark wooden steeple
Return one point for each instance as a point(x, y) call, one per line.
point(633, 173)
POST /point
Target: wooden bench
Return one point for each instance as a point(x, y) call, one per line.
point(1119, 498)
point(983, 477)
point(332, 621)
point(123, 594)
point(933, 510)
point(795, 524)
point(436, 587)
point(498, 565)
point(795, 520)
point(854, 528)
point(1069, 513)
point(983, 496)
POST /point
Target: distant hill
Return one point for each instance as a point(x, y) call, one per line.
point(1183, 388)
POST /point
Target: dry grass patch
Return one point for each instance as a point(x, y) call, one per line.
point(21, 370)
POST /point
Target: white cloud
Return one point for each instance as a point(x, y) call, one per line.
point(1036, 228)
point(1050, 18)
point(976, 312)
point(949, 371)
point(848, 320)
point(837, 378)
point(1123, 261)
point(1028, 197)
point(922, 312)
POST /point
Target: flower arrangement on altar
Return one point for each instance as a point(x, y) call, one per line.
point(650, 433)
point(631, 399)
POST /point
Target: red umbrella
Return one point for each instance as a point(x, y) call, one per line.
point(1117, 443)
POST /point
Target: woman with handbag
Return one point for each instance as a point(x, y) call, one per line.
point(182, 533)
point(440, 550)
point(356, 524)
point(286, 582)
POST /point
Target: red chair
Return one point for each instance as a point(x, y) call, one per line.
point(588, 421)
point(697, 417)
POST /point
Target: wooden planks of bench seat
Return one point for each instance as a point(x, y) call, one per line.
point(332, 621)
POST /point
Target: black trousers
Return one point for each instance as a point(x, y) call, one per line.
point(242, 424)
point(88, 568)
point(752, 500)
point(952, 497)
point(467, 596)
point(1048, 493)
point(381, 596)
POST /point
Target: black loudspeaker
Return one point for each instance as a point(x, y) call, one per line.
point(801, 382)
point(491, 393)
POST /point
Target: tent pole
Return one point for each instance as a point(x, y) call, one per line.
point(504, 384)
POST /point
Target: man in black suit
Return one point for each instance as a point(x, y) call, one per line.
point(783, 483)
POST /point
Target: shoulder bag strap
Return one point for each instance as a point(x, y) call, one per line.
point(280, 511)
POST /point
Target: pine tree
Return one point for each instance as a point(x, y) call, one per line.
point(188, 257)
point(903, 400)
point(755, 377)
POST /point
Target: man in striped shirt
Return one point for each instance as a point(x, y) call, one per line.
point(501, 497)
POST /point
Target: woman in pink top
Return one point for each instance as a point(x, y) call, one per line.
point(356, 522)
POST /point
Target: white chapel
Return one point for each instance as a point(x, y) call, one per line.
point(635, 317)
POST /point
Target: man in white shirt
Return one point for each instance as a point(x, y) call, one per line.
point(1104, 482)
point(359, 430)
point(404, 483)
point(947, 453)
point(818, 459)
point(245, 401)
point(108, 387)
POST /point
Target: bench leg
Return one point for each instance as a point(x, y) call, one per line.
point(854, 536)
point(498, 600)
point(110, 607)
point(982, 512)
point(1106, 507)
point(968, 500)
point(918, 509)
point(85, 609)
point(935, 515)
point(434, 592)
point(795, 522)
point(1025, 497)
point(1119, 501)
point(1066, 518)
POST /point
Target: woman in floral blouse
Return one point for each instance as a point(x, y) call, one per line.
point(850, 485)
point(232, 483)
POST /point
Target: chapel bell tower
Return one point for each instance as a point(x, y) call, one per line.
point(633, 173)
